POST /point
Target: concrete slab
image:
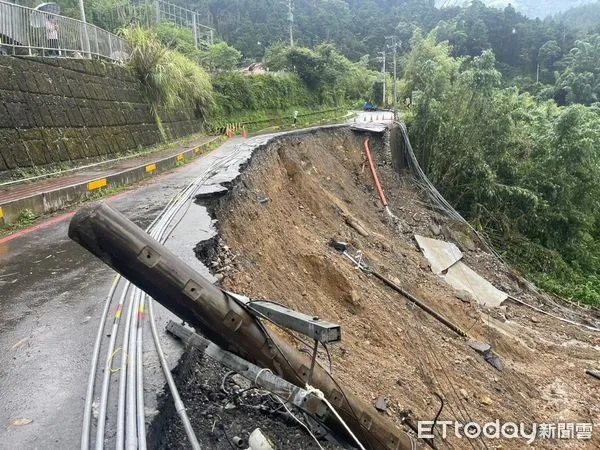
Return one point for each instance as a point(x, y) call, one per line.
point(440, 254)
point(462, 277)
point(445, 260)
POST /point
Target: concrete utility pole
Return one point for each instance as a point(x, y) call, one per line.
point(394, 48)
point(222, 319)
point(85, 29)
point(383, 73)
point(82, 11)
point(291, 21)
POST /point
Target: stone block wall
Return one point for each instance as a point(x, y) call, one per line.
point(70, 110)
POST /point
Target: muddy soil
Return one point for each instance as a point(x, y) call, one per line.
point(275, 225)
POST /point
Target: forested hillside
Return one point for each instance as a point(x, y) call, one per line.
point(585, 18)
point(359, 27)
point(531, 8)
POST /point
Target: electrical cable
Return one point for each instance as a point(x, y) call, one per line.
point(303, 424)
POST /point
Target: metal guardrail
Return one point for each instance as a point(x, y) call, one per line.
point(152, 12)
point(26, 31)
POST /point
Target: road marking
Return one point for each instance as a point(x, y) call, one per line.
point(180, 157)
point(151, 168)
point(10, 237)
point(92, 185)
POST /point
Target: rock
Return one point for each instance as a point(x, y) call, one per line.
point(424, 264)
point(394, 280)
point(535, 319)
point(480, 347)
point(486, 400)
point(229, 406)
point(381, 404)
point(464, 296)
point(435, 229)
point(219, 277)
point(464, 394)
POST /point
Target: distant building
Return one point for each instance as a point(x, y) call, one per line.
point(255, 69)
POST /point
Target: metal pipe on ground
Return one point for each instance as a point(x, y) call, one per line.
point(376, 178)
point(122, 245)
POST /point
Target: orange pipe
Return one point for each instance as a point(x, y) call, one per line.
point(374, 172)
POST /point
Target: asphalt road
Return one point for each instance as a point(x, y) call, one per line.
point(51, 297)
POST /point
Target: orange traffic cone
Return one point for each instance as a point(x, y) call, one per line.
point(244, 134)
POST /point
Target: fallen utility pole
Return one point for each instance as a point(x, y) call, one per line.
point(125, 247)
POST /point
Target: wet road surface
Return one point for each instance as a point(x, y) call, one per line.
point(51, 297)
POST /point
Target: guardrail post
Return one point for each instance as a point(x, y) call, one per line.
point(157, 4)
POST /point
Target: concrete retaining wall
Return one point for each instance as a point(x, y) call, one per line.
point(62, 110)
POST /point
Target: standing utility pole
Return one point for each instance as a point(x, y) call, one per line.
point(394, 44)
point(383, 73)
point(291, 20)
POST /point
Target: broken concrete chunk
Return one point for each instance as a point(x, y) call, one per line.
point(435, 229)
point(462, 277)
point(480, 347)
point(464, 394)
point(381, 404)
point(441, 255)
point(464, 296)
point(258, 441)
point(445, 260)
point(488, 354)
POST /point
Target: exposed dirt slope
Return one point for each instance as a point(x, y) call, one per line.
point(297, 195)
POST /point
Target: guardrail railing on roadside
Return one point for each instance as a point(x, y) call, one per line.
point(26, 31)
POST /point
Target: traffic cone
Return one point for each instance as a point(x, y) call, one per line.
point(244, 134)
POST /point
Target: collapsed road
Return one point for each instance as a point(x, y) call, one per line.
point(51, 303)
point(275, 221)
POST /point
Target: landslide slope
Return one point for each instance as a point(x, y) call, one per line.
point(301, 191)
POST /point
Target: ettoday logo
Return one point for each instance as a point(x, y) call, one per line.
point(506, 430)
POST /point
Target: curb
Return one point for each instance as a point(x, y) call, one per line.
point(56, 199)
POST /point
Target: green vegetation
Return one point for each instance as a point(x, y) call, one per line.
point(169, 78)
point(525, 172)
point(173, 73)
